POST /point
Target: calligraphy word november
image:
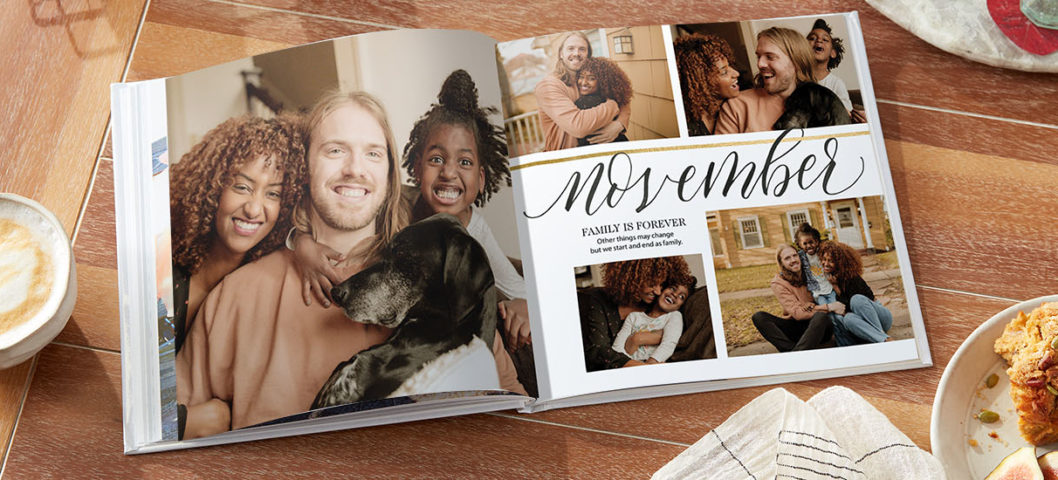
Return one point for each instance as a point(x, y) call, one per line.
point(608, 182)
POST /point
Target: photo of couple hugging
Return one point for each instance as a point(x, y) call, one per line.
point(585, 100)
point(272, 212)
point(794, 83)
point(823, 297)
point(643, 312)
point(587, 87)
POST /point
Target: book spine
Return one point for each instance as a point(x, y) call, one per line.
point(135, 255)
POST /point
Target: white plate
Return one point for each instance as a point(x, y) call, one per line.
point(962, 393)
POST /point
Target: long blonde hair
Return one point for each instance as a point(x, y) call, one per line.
point(393, 216)
point(795, 47)
point(564, 74)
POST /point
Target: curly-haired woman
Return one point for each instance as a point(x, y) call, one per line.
point(628, 286)
point(599, 80)
point(865, 319)
point(231, 201)
point(803, 324)
point(708, 77)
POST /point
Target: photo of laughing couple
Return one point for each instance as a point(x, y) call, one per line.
point(792, 79)
point(317, 259)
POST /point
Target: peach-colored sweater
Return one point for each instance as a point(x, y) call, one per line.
point(752, 111)
point(563, 123)
point(796, 302)
point(255, 345)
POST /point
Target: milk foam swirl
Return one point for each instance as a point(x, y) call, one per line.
point(26, 274)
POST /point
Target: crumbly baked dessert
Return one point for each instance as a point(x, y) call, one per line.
point(1029, 344)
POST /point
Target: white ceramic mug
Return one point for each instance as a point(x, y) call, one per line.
point(30, 332)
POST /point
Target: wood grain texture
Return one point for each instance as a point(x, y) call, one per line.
point(95, 319)
point(968, 133)
point(13, 384)
point(55, 111)
point(165, 50)
point(977, 223)
point(96, 242)
point(72, 423)
point(242, 21)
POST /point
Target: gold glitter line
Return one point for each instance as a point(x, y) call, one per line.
point(687, 147)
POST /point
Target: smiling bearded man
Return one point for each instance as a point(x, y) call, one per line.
point(257, 352)
point(560, 119)
point(784, 61)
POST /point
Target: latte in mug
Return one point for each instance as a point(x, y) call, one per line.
point(38, 285)
point(25, 274)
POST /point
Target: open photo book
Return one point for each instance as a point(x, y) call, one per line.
point(414, 224)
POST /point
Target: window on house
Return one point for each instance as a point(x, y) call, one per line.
point(749, 229)
point(795, 218)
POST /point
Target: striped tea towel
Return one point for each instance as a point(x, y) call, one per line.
point(835, 435)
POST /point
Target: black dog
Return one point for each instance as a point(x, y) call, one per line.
point(812, 105)
point(434, 285)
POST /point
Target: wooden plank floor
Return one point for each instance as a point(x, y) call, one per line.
point(971, 147)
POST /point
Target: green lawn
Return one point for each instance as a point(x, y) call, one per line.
point(759, 276)
point(738, 319)
point(744, 278)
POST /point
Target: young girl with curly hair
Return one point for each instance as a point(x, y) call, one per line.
point(865, 319)
point(599, 80)
point(458, 159)
point(664, 316)
point(628, 286)
point(231, 201)
point(708, 77)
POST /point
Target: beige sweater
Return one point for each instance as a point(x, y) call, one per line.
point(796, 301)
point(563, 123)
point(752, 111)
point(255, 345)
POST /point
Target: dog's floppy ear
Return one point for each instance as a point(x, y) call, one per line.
point(466, 270)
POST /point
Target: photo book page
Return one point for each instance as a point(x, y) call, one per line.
point(741, 227)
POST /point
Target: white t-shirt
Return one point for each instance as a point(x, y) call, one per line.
point(635, 322)
point(837, 86)
point(507, 278)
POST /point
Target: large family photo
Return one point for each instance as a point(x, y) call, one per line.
point(807, 276)
point(331, 236)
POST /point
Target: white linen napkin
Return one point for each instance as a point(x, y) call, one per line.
point(835, 435)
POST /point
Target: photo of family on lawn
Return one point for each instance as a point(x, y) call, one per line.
point(643, 312)
point(586, 87)
point(773, 75)
point(307, 184)
point(785, 285)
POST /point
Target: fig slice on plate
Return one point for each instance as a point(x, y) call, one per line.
point(1049, 465)
point(1020, 465)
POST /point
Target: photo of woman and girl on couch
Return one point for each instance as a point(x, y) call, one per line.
point(643, 312)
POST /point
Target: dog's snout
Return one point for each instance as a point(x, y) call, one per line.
point(338, 294)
